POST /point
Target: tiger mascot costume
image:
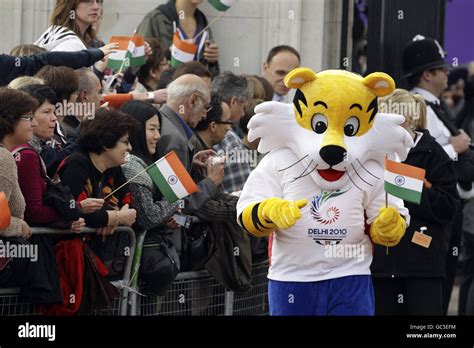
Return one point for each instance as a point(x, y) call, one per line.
point(319, 190)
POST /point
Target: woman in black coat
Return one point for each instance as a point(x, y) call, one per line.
point(408, 278)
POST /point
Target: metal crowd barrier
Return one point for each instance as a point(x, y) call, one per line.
point(12, 304)
point(198, 293)
point(191, 294)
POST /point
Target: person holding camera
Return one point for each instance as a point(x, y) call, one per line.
point(188, 104)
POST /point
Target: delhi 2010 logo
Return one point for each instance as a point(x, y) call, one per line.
point(325, 216)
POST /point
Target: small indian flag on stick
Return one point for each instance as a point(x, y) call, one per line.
point(222, 5)
point(404, 181)
point(130, 53)
point(182, 51)
point(171, 177)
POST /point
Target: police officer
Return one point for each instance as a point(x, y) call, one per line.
point(427, 73)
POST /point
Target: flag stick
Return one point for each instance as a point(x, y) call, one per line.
point(124, 59)
point(210, 23)
point(386, 206)
point(118, 188)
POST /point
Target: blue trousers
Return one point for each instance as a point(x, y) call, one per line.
point(351, 295)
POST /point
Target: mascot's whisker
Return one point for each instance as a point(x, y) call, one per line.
point(376, 177)
point(302, 175)
point(298, 161)
point(355, 170)
point(351, 179)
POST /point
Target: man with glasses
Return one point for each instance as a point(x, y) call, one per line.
point(427, 73)
point(212, 130)
point(187, 105)
point(236, 92)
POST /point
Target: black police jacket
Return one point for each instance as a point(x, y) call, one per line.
point(436, 212)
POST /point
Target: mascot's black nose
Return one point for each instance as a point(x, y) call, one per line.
point(332, 154)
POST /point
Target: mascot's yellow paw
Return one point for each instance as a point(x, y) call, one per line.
point(282, 213)
point(262, 218)
point(388, 228)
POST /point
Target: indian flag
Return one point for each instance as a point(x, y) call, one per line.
point(182, 51)
point(131, 50)
point(404, 181)
point(172, 179)
point(222, 5)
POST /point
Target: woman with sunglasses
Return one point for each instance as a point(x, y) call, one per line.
point(71, 26)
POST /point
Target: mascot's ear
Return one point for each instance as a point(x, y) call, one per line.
point(379, 83)
point(298, 77)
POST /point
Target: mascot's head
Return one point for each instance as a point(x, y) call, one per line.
point(338, 107)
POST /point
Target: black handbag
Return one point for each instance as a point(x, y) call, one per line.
point(57, 195)
point(60, 198)
point(160, 262)
point(195, 249)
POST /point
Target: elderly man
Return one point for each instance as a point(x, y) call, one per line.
point(187, 104)
point(88, 100)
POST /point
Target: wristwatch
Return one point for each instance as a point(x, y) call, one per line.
point(151, 95)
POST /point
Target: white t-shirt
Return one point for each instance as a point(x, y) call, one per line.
point(329, 240)
point(57, 38)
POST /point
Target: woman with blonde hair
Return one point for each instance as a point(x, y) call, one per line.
point(408, 280)
point(24, 81)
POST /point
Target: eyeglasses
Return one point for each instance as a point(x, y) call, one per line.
point(224, 122)
point(100, 2)
point(125, 142)
point(27, 117)
point(207, 107)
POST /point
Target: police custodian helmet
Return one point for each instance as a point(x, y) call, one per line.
point(422, 53)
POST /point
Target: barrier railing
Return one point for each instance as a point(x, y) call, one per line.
point(198, 293)
point(192, 293)
point(11, 303)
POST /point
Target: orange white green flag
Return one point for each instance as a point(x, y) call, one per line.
point(130, 53)
point(404, 181)
point(171, 177)
point(182, 51)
